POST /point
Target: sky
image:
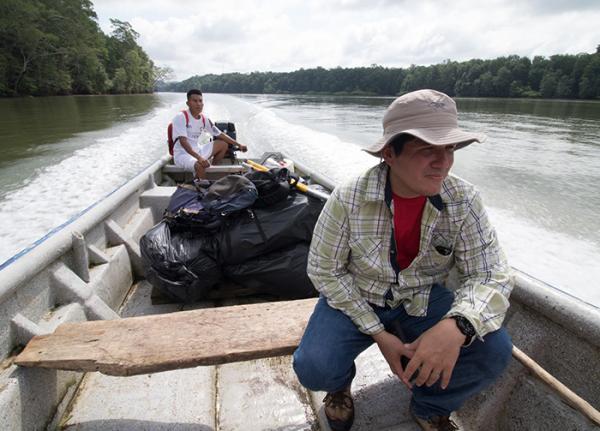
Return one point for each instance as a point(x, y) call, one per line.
point(197, 37)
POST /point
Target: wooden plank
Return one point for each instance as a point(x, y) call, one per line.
point(150, 344)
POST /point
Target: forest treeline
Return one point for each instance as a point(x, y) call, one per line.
point(558, 76)
point(52, 47)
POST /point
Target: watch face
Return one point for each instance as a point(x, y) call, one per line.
point(464, 326)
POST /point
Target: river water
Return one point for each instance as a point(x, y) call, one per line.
point(538, 172)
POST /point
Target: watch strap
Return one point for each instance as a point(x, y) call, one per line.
point(466, 328)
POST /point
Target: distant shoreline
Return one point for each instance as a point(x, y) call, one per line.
point(565, 76)
point(315, 94)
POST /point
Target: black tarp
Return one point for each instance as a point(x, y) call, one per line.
point(176, 264)
point(257, 248)
point(286, 223)
point(281, 273)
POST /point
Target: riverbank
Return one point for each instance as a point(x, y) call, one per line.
point(361, 94)
point(556, 77)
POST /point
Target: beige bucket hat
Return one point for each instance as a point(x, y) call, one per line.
point(426, 114)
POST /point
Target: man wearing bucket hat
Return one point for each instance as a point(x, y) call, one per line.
point(380, 256)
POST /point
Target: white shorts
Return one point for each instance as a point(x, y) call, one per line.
point(187, 162)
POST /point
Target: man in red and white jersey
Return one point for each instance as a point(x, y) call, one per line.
point(188, 126)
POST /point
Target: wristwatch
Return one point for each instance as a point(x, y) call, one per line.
point(465, 327)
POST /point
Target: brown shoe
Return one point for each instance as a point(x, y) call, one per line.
point(436, 423)
point(339, 410)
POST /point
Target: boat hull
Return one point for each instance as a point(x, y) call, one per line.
point(90, 269)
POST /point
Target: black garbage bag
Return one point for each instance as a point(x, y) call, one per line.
point(177, 265)
point(272, 186)
point(281, 273)
point(264, 230)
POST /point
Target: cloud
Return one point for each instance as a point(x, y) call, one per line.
point(551, 7)
point(236, 36)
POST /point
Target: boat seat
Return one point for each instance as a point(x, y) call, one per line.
point(157, 198)
point(213, 172)
point(214, 169)
point(148, 344)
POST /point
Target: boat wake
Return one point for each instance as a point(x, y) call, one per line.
point(57, 192)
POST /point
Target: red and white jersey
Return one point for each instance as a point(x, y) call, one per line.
point(192, 130)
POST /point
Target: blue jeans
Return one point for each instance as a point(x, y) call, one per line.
point(324, 360)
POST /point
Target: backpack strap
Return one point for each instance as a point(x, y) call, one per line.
point(171, 142)
point(187, 123)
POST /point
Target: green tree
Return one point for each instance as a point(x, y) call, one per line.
point(564, 87)
point(28, 43)
point(589, 86)
point(129, 67)
point(119, 81)
point(548, 85)
point(502, 82)
point(162, 74)
point(537, 70)
point(516, 89)
point(57, 47)
point(486, 85)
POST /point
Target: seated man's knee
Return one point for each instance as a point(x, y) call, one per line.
point(317, 371)
point(307, 370)
point(497, 351)
point(199, 170)
point(220, 146)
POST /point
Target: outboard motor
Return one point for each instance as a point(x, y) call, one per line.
point(229, 130)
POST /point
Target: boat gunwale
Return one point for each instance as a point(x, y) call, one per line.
point(568, 311)
point(37, 257)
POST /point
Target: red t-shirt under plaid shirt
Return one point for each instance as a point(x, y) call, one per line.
point(407, 228)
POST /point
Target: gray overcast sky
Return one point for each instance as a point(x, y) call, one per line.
point(195, 37)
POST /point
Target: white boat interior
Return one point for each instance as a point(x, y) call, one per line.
point(90, 268)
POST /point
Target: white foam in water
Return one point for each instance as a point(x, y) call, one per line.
point(264, 131)
point(567, 263)
point(323, 152)
point(58, 192)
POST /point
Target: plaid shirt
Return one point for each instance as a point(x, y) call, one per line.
point(352, 258)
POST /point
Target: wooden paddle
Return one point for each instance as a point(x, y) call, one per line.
point(570, 397)
point(300, 186)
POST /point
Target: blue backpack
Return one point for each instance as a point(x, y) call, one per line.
point(205, 211)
